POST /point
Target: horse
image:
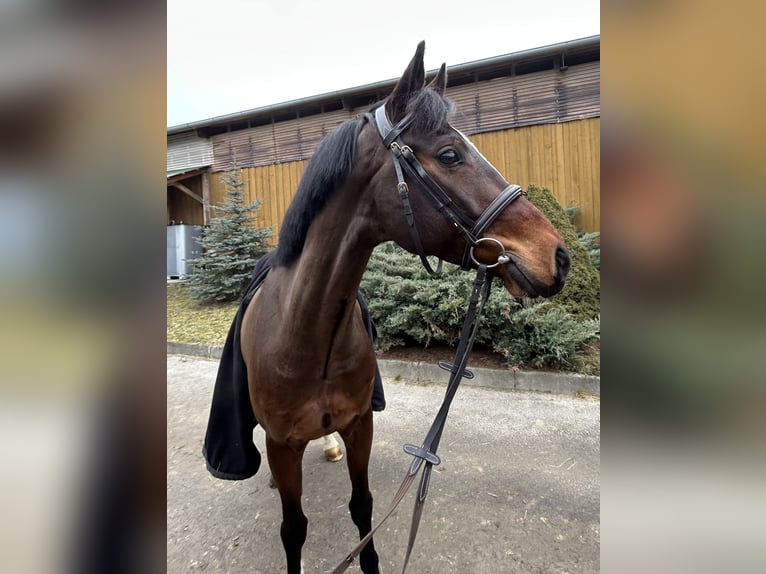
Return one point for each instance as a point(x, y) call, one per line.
point(310, 363)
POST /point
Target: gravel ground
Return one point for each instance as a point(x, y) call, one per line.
point(517, 491)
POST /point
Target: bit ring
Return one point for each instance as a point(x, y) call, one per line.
point(503, 258)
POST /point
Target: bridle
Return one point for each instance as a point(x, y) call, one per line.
point(425, 455)
point(471, 229)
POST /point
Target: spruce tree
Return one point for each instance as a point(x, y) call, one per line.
point(231, 246)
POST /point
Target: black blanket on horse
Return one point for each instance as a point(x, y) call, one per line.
point(229, 450)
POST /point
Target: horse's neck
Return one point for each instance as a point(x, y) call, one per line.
point(324, 281)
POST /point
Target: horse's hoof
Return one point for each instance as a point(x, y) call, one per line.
point(333, 454)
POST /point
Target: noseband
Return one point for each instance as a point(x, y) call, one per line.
point(471, 229)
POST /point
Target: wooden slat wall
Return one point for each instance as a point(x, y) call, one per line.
point(563, 157)
point(545, 97)
point(274, 185)
point(188, 151)
point(289, 140)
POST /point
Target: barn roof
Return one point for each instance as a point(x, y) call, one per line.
point(562, 54)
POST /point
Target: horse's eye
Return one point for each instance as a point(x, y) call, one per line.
point(450, 157)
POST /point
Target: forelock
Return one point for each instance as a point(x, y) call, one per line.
point(431, 111)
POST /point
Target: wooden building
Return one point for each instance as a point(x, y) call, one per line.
point(534, 114)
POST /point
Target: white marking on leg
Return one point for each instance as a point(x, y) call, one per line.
point(329, 441)
point(332, 450)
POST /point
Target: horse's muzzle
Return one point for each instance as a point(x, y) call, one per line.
point(534, 288)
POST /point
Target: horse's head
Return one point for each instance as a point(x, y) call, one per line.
point(456, 195)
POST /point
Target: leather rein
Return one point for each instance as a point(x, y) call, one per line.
point(425, 455)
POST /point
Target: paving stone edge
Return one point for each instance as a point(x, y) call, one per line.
point(428, 373)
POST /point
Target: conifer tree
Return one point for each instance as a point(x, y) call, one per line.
point(231, 246)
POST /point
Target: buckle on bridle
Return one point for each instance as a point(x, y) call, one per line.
point(502, 259)
point(400, 149)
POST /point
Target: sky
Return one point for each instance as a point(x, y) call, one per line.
point(229, 56)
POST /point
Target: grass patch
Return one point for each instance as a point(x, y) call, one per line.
point(191, 322)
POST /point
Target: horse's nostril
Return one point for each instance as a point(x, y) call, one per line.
point(562, 262)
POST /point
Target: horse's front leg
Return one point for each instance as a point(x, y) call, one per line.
point(358, 440)
point(285, 463)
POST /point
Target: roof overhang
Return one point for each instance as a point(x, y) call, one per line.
point(177, 175)
point(526, 61)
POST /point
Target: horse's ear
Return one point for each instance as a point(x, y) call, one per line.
point(410, 83)
point(439, 83)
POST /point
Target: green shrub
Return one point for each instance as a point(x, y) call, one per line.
point(591, 241)
point(408, 305)
point(543, 335)
point(582, 292)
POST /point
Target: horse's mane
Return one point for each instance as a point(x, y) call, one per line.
point(326, 171)
point(332, 162)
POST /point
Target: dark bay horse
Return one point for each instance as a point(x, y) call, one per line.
point(310, 362)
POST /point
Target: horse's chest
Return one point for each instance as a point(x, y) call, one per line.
point(312, 409)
